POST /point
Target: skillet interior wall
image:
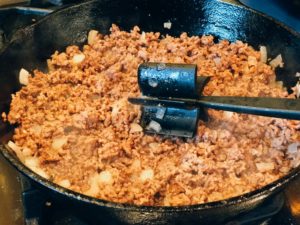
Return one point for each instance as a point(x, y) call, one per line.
point(31, 47)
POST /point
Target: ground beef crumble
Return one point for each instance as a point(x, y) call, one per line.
point(77, 122)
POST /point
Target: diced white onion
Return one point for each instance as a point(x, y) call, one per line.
point(26, 151)
point(167, 25)
point(134, 127)
point(59, 142)
point(265, 166)
point(40, 172)
point(297, 89)
point(92, 37)
point(78, 58)
point(17, 150)
point(24, 76)
point(31, 162)
point(13, 146)
point(263, 54)
point(94, 186)
point(105, 177)
point(277, 61)
point(227, 114)
point(64, 183)
point(143, 38)
point(146, 175)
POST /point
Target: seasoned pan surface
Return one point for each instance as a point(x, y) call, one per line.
point(31, 47)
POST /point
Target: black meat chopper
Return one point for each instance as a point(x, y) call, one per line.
point(173, 104)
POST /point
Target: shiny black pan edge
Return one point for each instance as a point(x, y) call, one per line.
point(236, 3)
point(257, 194)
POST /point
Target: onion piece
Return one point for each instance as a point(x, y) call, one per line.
point(134, 127)
point(143, 38)
point(94, 186)
point(64, 183)
point(146, 174)
point(13, 146)
point(296, 89)
point(277, 61)
point(92, 37)
point(265, 166)
point(59, 142)
point(78, 58)
point(41, 172)
point(24, 76)
point(105, 177)
point(168, 24)
point(263, 54)
point(33, 164)
point(17, 150)
point(26, 152)
point(228, 114)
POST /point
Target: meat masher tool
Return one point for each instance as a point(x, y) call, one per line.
point(172, 102)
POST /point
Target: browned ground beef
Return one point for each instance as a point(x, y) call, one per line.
point(77, 128)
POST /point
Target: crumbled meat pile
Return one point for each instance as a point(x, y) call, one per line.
point(76, 127)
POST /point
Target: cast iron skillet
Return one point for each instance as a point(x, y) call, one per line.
point(30, 47)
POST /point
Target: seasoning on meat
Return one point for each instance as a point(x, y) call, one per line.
point(76, 127)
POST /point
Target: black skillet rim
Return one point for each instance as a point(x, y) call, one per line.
point(253, 195)
point(236, 3)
